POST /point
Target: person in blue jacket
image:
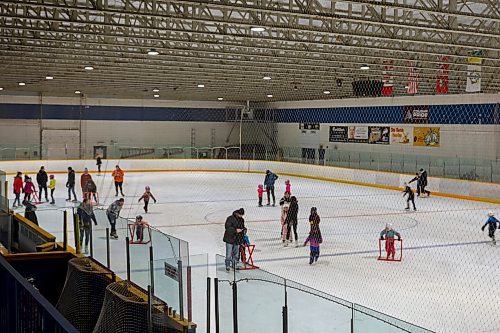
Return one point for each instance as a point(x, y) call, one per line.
point(269, 184)
point(388, 234)
point(492, 226)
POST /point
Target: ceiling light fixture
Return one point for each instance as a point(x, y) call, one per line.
point(153, 52)
point(201, 86)
point(326, 92)
point(266, 78)
point(269, 96)
point(156, 96)
point(78, 92)
point(1, 88)
point(258, 29)
point(156, 90)
point(89, 68)
point(49, 77)
point(22, 83)
point(364, 67)
point(220, 98)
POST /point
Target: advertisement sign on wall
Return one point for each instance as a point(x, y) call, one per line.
point(426, 136)
point(338, 134)
point(357, 134)
point(379, 135)
point(401, 135)
point(416, 114)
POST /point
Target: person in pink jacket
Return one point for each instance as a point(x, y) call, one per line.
point(29, 188)
point(287, 186)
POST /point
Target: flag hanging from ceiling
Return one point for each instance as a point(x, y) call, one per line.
point(474, 72)
point(442, 75)
point(413, 78)
point(387, 77)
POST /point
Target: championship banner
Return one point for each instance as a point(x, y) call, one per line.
point(357, 134)
point(416, 114)
point(379, 135)
point(413, 79)
point(442, 75)
point(387, 77)
point(338, 134)
point(401, 135)
point(426, 136)
point(473, 74)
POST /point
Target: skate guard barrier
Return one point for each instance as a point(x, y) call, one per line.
point(454, 188)
point(398, 253)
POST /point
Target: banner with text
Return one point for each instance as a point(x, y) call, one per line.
point(357, 134)
point(416, 114)
point(426, 136)
point(401, 135)
point(379, 135)
point(338, 134)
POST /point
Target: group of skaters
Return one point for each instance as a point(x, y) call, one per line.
point(421, 180)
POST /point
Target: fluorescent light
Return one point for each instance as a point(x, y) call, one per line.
point(49, 77)
point(201, 86)
point(156, 90)
point(156, 96)
point(364, 67)
point(22, 83)
point(269, 95)
point(88, 68)
point(258, 29)
point(1, 88)
point(266, 78)
point(326, 92)
point(153, 52)
point(220, 98)
point(78, 92)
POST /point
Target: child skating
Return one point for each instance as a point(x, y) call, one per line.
point(284, 225)
point(52, 188)
point(146, 196)
point(287, 186)
point(411, 197)
point(140, 225)
point(260, 193)
point(314, 240)
point(388, 234)
point(492, 226)
point(29, 189)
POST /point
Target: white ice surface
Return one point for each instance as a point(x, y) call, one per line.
point(447, 281)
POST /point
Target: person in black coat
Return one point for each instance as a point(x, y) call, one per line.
point(291, 219)
point(70, 184)
point(42, 179)
point(269, 184)
point(233, 237)
point(423, 182)
point(29, 211)
point(411, 197)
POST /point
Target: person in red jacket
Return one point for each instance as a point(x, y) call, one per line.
point(84, 180)
point(18, 187)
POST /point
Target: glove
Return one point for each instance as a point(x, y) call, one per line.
point(399, 238)
point(381, 238)
point(155, 201)
point(482, 228)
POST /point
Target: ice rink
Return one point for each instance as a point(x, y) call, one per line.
point(447, 280)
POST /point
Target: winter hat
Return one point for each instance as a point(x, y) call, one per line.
point(147, 188)
point(287, 181)
point(260, 186)
point(51, 176)
point(268, 171)
point(138, 217)
point(240, 211)
point(490, 213)
point(314, 210)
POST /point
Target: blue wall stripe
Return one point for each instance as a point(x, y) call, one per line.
point(438, 114)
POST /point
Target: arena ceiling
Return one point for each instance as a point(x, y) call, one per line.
point(306, 46)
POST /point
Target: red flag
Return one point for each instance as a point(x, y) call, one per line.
point(442, 75)
point(413, 78)
point(387, 77)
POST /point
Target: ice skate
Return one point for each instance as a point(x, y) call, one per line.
point(47, 199)
point(407, 208)
point(268, 204)
point(285, 243)
point(52, 202)
point(68, 199)
point(297, 244)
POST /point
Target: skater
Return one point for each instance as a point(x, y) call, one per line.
point(140, 225)
point(389, 234)
point(287, 186)
point(29, 211)
point(84, 179)
point(492, 225)
point(423, 182)
point(29, 189)
point(98, 160)
point(260, 193)
point(269, 184)
point(314, 217)
point(18, 188)
point(86, 205)
point(233, 237)
point(70, 184)
point(42, 179)
point(291, 220)
point(85, 224)
point(314, 239)
point(418, 179)
point(118, 177)
point(411, 197)
point(285, 199)
point(52, 187)
point(284, 226)
point(90, 191)
point(113, 212)
point(146, 196)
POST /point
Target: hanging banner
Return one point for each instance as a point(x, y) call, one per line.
point(413, 79)
point(338, 134)
point(357, 134)
point(473, 74)
point(387, 77)
point(442, 75)
point(401, 135)
point(379, 135)
point(416, 114)
point(426, 136)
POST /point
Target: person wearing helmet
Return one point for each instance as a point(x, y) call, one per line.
point(492, 226)
point(146, 196)
point(388, 234)
point(140, 224)
point(314, 238)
